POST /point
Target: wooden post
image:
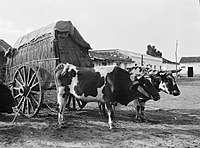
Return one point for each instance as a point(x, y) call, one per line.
point(142, 60)
point(176, 57)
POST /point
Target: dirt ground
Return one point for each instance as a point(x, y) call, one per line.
point(174, 123)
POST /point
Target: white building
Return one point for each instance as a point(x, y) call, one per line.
point(169, 65)
point(124, 59)
point(190, 66)
point(144, 60)
point(110, 57)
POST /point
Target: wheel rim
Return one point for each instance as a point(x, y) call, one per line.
point(27, 91)
point(75, 104)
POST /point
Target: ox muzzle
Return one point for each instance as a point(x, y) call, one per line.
point(155, 97)
point(175, 93)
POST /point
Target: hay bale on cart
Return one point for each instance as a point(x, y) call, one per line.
point(35, 56)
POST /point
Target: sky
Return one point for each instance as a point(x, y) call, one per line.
point(112, 24)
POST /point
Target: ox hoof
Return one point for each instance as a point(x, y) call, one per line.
point(141, 119)
point(111, 127)
point(62, 125)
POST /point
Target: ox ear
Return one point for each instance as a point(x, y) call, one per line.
point(72, 73)
point(139, 77)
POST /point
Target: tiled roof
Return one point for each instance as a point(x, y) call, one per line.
point(114, 55)
point(190, 60)
point(3, 46)
point(168, 61)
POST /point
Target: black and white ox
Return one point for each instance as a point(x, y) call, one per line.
point(6, 99)
point(163, 81)
point(108, 85)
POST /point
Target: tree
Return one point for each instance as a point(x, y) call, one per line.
point(151, 50)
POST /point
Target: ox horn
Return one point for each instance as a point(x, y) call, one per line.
point(162, 72)
point(139, 77)
point(175, 71)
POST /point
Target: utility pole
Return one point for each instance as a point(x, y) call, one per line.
point(142, 60)
point(176, 52)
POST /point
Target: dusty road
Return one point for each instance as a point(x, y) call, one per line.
point(174, 123)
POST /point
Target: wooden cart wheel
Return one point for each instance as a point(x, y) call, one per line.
point(75, 104)
point(27, 91)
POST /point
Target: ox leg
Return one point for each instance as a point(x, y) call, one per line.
point(137, 107)
point(140, 107)
point(62, 101)
point(143, 118)
point(102, 110)
point(110, 115)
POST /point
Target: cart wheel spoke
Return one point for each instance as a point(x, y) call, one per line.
point(20, 75)
point(25, 75)
point(28, 75)
point(16, 80)
point(19, 95)
point(33, 77)
point(23, 105)
point(34, 99)
point(36, 84)
point(16, 88)
point(20, 102)
point(31, 104)
point(74, 103)
point(28, 106)
point(34, 92)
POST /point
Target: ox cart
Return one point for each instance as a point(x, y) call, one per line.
point(33, 58)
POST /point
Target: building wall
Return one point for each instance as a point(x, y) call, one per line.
point(123, 65)
point(148, 61)
point(194, 66)
point(2, 60)
point(169, 66)
point(139, 60)
point(2, 67)
point(144, 60)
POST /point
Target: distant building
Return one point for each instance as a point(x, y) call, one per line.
point(169, 65)
point(190, 66)
point(144, 60)
point(3, 48)
point(110, 57)
point(124, 59)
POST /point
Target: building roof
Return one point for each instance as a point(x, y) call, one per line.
point(49, 30)
point(110, 55)
point(4, 46)
point(190, 60)
point(168, 61)
point(122, 54)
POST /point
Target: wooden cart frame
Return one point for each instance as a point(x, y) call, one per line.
point(34, 57)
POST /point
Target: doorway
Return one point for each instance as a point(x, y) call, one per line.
point(190, 72)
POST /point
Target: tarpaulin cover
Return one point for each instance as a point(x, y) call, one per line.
point(60, 26)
